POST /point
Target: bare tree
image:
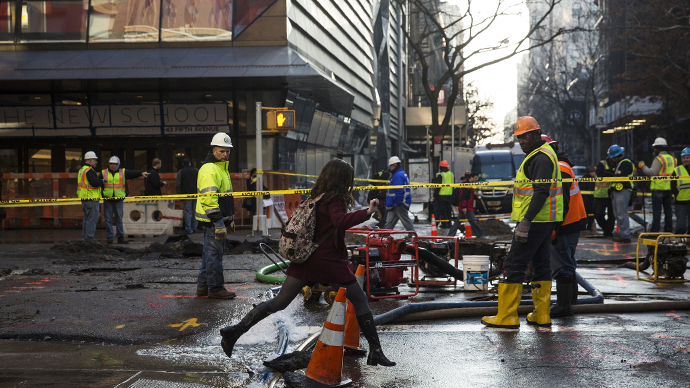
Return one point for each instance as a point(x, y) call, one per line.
point(479, 124)
point(458, 31)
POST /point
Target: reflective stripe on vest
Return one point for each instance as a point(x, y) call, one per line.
point(601, 189)
point(614, 184)
point(84, 189)
point(683, 184)
point(114, 185)
point(576, 206)
point(552, 210)
point(668, 164)
point(447, 178)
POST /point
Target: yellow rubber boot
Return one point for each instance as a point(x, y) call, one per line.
point(509, 295)
point(541, 296)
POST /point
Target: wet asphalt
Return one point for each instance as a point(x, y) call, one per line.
point(122, 321)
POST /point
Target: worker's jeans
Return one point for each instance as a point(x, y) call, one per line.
point(600, 207)
point(563, 261)
point(112, 212)
point(399, 212)
point(91, 210)
point(620, 210)
point(536, 250)
point(190, 221)
point(636, 217)
point(211, 271)
point(682, 216)
point(662, 198)
point(476, 229)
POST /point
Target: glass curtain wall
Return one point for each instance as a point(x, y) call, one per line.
point(63, 21)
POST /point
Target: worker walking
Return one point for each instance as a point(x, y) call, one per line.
point(603, 207)
point(216, 215)
point(398, 200)
point(114, 191)
point(466, 208)
point(621, 191)
point(681, 191)
point(537, 208)
point(89, 191)
point(186, 184)
point(443, 196)
point(663, 165)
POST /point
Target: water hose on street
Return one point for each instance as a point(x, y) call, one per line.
point(262, 274)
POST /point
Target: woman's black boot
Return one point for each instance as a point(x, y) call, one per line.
point(368, 328)
point(231, 334)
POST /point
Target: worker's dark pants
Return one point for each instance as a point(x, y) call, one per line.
point(443, 210)
point(536, 250)
point(589, 208)
point(662, 198)
point(602, 206)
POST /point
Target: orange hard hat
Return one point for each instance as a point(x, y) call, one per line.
point(525, 124)
point(444, 163)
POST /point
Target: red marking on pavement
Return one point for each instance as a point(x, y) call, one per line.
point(669, 337)
point(128, 319)
point(674, 315)
point(41, 282)
point(620, 279)
point(615, 247)
point(155, 306)
point(28, 324)
point(24, 288)
point(12, 291)
point(178, 296)
point(645, 356)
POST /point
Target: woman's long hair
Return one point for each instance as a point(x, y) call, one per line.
point(336, 180)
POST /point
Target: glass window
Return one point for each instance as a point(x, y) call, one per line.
point(63, 21)
point(248, 11)
point(7, 21)
point(73, 159)
point(39, 160)
point(185, 20)
point(124, 20)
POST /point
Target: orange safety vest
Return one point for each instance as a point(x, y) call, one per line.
point(576, 206)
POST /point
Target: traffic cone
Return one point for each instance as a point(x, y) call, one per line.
point(326, 364)
point(468, 231)
point(351, 325)
point(434, 232)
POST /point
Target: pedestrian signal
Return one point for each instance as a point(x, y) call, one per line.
point(280, 120)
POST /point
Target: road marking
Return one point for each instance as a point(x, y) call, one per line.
point(119, 326)
point(185, 324)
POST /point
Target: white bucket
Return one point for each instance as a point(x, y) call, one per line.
point(476, 272)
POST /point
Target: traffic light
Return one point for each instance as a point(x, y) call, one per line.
point(280, 120)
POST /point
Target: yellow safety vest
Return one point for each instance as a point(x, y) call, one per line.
point(213, 178)
point(619, 185)
point(668, 164)
point(683, 184)
point(114, 185)
point(601, 189)
point(552, 211)
point(84, 189)
point(447, 178)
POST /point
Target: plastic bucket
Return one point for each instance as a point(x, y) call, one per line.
point(476, 268)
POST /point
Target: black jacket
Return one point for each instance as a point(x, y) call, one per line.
point(538, 167)
point(186, 180)
point(153, 184)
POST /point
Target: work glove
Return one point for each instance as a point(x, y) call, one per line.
point(221, 231)
point(522, 231)
point(641, 164)
point(231, 227)
point(554, 238)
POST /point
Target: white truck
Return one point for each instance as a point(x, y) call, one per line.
point(493, 163)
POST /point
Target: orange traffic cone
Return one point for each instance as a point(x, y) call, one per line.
point(351, 325)
point(326, 364)
point(434, 232)
point(468, 231)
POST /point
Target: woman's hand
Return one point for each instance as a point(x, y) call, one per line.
point(373, 206)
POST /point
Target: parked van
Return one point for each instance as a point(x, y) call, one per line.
point(493, 163)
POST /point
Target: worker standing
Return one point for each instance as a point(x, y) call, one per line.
point(466, 208)
point(186, 184)
point(443, 196)
point(89, 191)
point(537, 208)
point(681, 190)
point(603, 207)
point(621, 191)
point(566, 237)
point(216, 215)
point(114, 191)
point(398, 200)
point(663, 165)
point(587, 189)
point(153, 184)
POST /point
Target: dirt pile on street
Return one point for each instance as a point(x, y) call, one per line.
point(89, 250)
point(495, 228)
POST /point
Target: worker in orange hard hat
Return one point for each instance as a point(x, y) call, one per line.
point(443, 196)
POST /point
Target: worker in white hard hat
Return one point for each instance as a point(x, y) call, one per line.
point(89, 191)
point(216, 215)
point(114, 191)
point(663, 165)
point(398, 200)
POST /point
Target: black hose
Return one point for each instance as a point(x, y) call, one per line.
point(442, 265)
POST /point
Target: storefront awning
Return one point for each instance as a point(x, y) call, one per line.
point(240, 68)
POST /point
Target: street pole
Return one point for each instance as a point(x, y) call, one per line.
point(452, 138)
point(260, 219)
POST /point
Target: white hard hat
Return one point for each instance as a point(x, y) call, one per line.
point(393, 160)
point(660, 141)
point(90, 155)
point(114, 159)
point(221, 139)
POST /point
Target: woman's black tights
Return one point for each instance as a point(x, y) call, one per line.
point(293, 286)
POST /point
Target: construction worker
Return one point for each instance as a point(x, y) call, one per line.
point(603, 207)
point(587, 189)
point(114, 192)
point(89, 191)
point(537, 208)
point(466, 208)
point(681, 190)
point(621, 191)
point(566, 237)
point(216, 215)
point(663, 165)
point(398, 200)
point(443, 196)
